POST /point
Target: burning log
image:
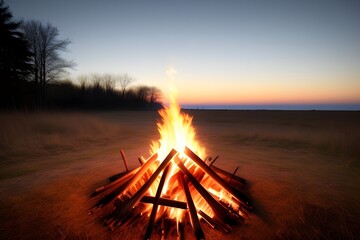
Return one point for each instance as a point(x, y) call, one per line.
point(207, 218)
point(164, 202)
point(141, 160)
point(125, 207)
point(142, 170)
point(119, 181)
point(215, 223)
point(218, 209)
point(156, 204)
point(237, 194)
point(107, 199)
point(117, 176)
point(199, 234)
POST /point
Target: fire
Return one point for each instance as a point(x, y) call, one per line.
point(176, 180)
point(176, 131)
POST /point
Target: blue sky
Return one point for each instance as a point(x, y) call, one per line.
point(223, 51)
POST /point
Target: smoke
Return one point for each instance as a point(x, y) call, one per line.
point(172, 96)
point(171, 72)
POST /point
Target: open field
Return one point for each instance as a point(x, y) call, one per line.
point(303, 168)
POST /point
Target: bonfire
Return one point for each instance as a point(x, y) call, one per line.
point(177, 184)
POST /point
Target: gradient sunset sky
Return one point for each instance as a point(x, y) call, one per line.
point(225, 52)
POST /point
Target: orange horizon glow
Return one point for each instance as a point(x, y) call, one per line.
point(208, 97)
point(211, 91)
point(262, 88)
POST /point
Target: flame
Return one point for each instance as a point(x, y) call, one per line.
point(176, 131)
point(176, 179)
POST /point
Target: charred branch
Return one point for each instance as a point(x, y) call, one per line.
point(199, 234)
point(228, 175)
point(164, 202)
point(180, 230)
point(216, 158)
point(156, 204)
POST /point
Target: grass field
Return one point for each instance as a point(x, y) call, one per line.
point(303, 169)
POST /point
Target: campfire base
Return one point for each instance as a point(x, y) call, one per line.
point(133, 196)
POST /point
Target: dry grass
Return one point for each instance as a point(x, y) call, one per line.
point(303, 168)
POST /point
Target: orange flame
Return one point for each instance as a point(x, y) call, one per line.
point(176, 131)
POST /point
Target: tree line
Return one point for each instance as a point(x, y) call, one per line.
point(32, 73)
point(103, 91)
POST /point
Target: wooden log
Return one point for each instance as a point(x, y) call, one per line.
point(207, 219)
point(165, 227)
point(107, 199)
point(113, 220)
point(240, 196)
point(233, 213)
point(124, 159)
point(217, 208)
point(213, 222)
point(164, 202)
point(125, 207)
point(142, 170)
point(208, 158)
point(117, 176)
point(180, 230)
point(119, 181)
point(156, 204)
point(216, 158)
point(134, 217)
point(199, 234)
point(228, 175)
point(141, 160)
point(232, 176)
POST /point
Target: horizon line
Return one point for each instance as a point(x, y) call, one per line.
point(284, 106)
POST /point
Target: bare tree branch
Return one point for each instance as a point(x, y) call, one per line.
point(124, 81)
point(45, 46)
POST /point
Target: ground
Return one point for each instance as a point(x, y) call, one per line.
point(303, 169)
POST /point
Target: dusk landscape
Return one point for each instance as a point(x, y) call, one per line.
point(179, 119)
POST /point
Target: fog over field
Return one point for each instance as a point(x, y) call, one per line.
point(303, 169)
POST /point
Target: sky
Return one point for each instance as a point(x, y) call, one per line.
point(220, 52)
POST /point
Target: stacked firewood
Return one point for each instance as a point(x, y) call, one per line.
point(129, 193)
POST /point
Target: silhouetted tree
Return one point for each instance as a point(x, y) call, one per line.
point(109, 83)
point(97, 91)
point(124, 81)
point(83, 81)
point(142, 93)
point(96, 83)
point(47, 64)
point(14, 59)
point(154, 94)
